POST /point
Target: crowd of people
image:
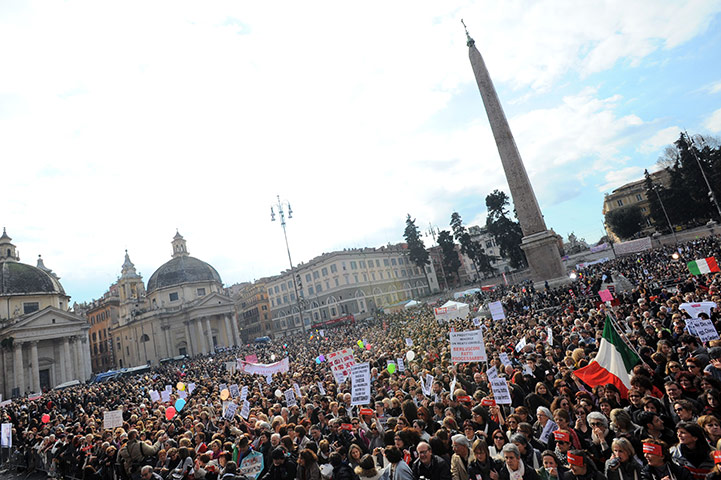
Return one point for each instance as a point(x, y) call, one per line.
point(666, 426)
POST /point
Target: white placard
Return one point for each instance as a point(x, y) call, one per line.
point(521, 343)
point(704, 329)
point(340, 363)
point(694, 309)
point(468, 347)
point(234, 391)
point(492, 373)
point(165, 395)
point(320, 388)
point(245, 411)
point(6, 435)
point(409, 342)
point(322, 333)
point(244, 393)
point(547, 431)
point(154, 396)
point(252, 465)
point(549, 334)
point(401, 365)
point(290, 398)
point(230, 411)
point(496, 309)
point(169, 388)
point(361, 384)
point(499, 386)
point(112, 419)
point(222, 387)
point(477, 321)
point(429, 383)
point(230, 367)
point(191, 387)
point(296, 389)
point(182, 394)
point(504, 359)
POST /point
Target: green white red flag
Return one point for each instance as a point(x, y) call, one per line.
point(613, 363)
point(703, 265)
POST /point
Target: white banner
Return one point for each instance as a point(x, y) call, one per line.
point(694, 309)
point(496, 309)
point(340, 363)
point(267, 369)
point(361, 384)
point(112, 419)
point(468, 347)
point(6, 435)
point(632, 246)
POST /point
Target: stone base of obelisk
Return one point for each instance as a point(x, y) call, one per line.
point(543, 257)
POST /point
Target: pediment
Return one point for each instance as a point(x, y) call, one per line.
point(48, 319)
point(213, 302)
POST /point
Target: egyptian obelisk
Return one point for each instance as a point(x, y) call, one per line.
point(539, 244)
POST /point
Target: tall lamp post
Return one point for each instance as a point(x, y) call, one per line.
point(432, 231)
point(280, 205)
point(711, 196)
point(655, 188)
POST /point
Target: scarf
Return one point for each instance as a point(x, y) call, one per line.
point(518, 474)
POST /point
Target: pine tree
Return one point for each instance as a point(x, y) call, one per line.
point(451, 262)
point(416, 248)
point(506, 232)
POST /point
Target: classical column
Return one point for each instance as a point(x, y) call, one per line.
point(229, 334)
point(68, 363)
point(539, 244)
point(18, 367)
point(234, 323)
point(201, 339)
point(211, 346)
point(168, 346)
point(86, 356)
point(79, 362)
point(3, 376)
point(191, 352)
point(34, 366)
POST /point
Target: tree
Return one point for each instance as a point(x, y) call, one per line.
point(506, 232)
point(625, 221)
point(416, 248)
point(474, 250)
point(451, 262)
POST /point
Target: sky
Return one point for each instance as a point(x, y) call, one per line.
point(121, 122)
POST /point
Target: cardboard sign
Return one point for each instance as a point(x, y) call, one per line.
point(165, 396)
point(492, 373)
point(245, 411)
point(243, 393)
point(296, 389)
point(230, 411)
point(503, 356)
point(112, 419)
point(234, 391)
point(409, 342)
point(361, 384)
point(340, 363)
point(521, 344)
point(290, 398)
point(401, 365)
point(190, 388)
point(499, 386)
point(252, 465)
point(496, 309)
point(468, 347)
point(547, 432)
point(606, 295)
point(154, 396)
point(704, 329)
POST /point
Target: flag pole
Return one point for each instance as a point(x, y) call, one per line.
point(616, 325)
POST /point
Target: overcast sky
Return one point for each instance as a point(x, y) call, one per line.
point(122, 121)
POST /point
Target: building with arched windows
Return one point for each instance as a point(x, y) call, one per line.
point(42, 344)
point(183, 311)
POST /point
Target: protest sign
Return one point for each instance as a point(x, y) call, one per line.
point(234, 391)
point(409, 342)
point(694, 309)
point(606, 295)
point(168, 388)
point(245, 411)
point(320, 388)
point(429, 382)
point(503, 356)
point(521, 344)
point(190, 388)
point(112, 419)
point(453, 386)
point(251, 358)
point(296, 389)
point(477, 321)
point(340, 363)
point(165, 396)
point(6, 435)
point(222, 387)
point(361, 384)
point(290, 398)
point(468, 347)
point(500, 391)
point(230, 367)
point(182, 394)
point(401, 365)
point(492, 373)
point(549, 335)
point(243, 393)
point(230, 411)
point(252, 465)
point(705, 329)
point(547, 431)
point(496, 309)
point(154, 396)
point(266, 369)
point(322, 333)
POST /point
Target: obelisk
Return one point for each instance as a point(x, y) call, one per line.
point(539, 244)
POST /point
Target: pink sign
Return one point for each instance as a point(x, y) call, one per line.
point(251, 358)
point(605, 295)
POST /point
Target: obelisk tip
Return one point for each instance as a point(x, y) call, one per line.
point(469, 41)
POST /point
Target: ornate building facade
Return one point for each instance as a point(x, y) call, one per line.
point(183, 311)
point(102, 314)
point(42, 343)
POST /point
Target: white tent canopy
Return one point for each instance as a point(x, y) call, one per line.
point(465, 293)
point(411, 303)
point(451, 310)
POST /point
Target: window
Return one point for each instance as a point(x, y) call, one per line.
point(355, 278)
point(318, 289)
point(386, 263)
point(393, 261)
point(378, 263)
point(272, 302)
point(619, 203)
point(310, 290)
point(362, 264)
point(30, 307)
point(324, 271)
point(333, 268)
point(201, 292)
point(353, 265)
point(276, 289)
point(282, 286)
point(336, 281)
point(332, 311)
point(285, 298)
point(316, 275)
point(173, 296)
point(327, 285)
point(365, 277)
point(292, 297)
point(639, 197)
point(290, 284)
point(307, 277)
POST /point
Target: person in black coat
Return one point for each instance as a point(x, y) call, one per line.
point(515, 468)
point(341, 470)
point(282, 469)
point(483, 467)
point(659, 464)
point(430, 466)
point(581, 467)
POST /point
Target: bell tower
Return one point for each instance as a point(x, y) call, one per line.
point(130, 289)
point(180, 248)
point(8, 252)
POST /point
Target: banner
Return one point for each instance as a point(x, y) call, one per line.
point(600, 248)
point(252, 465)
point(361, 384)
point(468, 347)
point(112, 419)
point(340, 363)
point(496, 309)
point(230, 367)
point(266, 369)
point(694, 309)
point(582, 265)
point(632, 246)
point(703, 328)
point(6, 435)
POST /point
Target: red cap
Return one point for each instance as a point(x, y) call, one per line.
point(653, 449)
point(576, 460)
point(561, 436)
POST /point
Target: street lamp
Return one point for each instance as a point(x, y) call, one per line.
point(281, 213)
point(432, 231)
point(655, 187)
point(711, 196)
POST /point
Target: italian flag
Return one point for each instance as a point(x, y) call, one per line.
point(613, 363)
point(703, 265)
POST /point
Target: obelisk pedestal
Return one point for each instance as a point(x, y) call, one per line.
point(539, 244)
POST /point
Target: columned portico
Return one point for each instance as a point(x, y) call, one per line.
point(67, 360)
point(236, 332)
point(168, 346)
point(211, 347)
point(229, 334)
point(34, 366)
point(86, 349)
point(18, 367)
point(201, 338)
point(191, 350)
point(79, 363)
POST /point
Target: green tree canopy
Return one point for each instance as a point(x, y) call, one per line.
point(506, 232)
point(625, 221)
point(451, 262)
point(416, 248)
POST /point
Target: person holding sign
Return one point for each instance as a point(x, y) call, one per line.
point(134, 452)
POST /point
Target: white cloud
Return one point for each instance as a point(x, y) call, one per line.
point(659, 140)
point(714, 87)
point(620, 177)
point(713, 121)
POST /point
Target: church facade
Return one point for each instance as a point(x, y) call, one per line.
point(183, 311)
point(42, 343)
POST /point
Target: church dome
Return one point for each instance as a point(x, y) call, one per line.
point(21, 279)
point(180, 270)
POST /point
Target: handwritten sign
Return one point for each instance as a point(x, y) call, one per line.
point(606, 295)
point(112, 419)
point(499, 386)
point(340, 363)
point(154, 396)
point(165, 395)
point(361, 384)
point(496, 309)
point(290, 398)
point(468, 347)
point(504, 359)
point(703, 328)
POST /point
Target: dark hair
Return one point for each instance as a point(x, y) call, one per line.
point(549, 453)
point(695, 430)
point(644, 418)
point(308, 456)
point(393, 454)
point(231, 467)
point(335, 459)
point(438, 446)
